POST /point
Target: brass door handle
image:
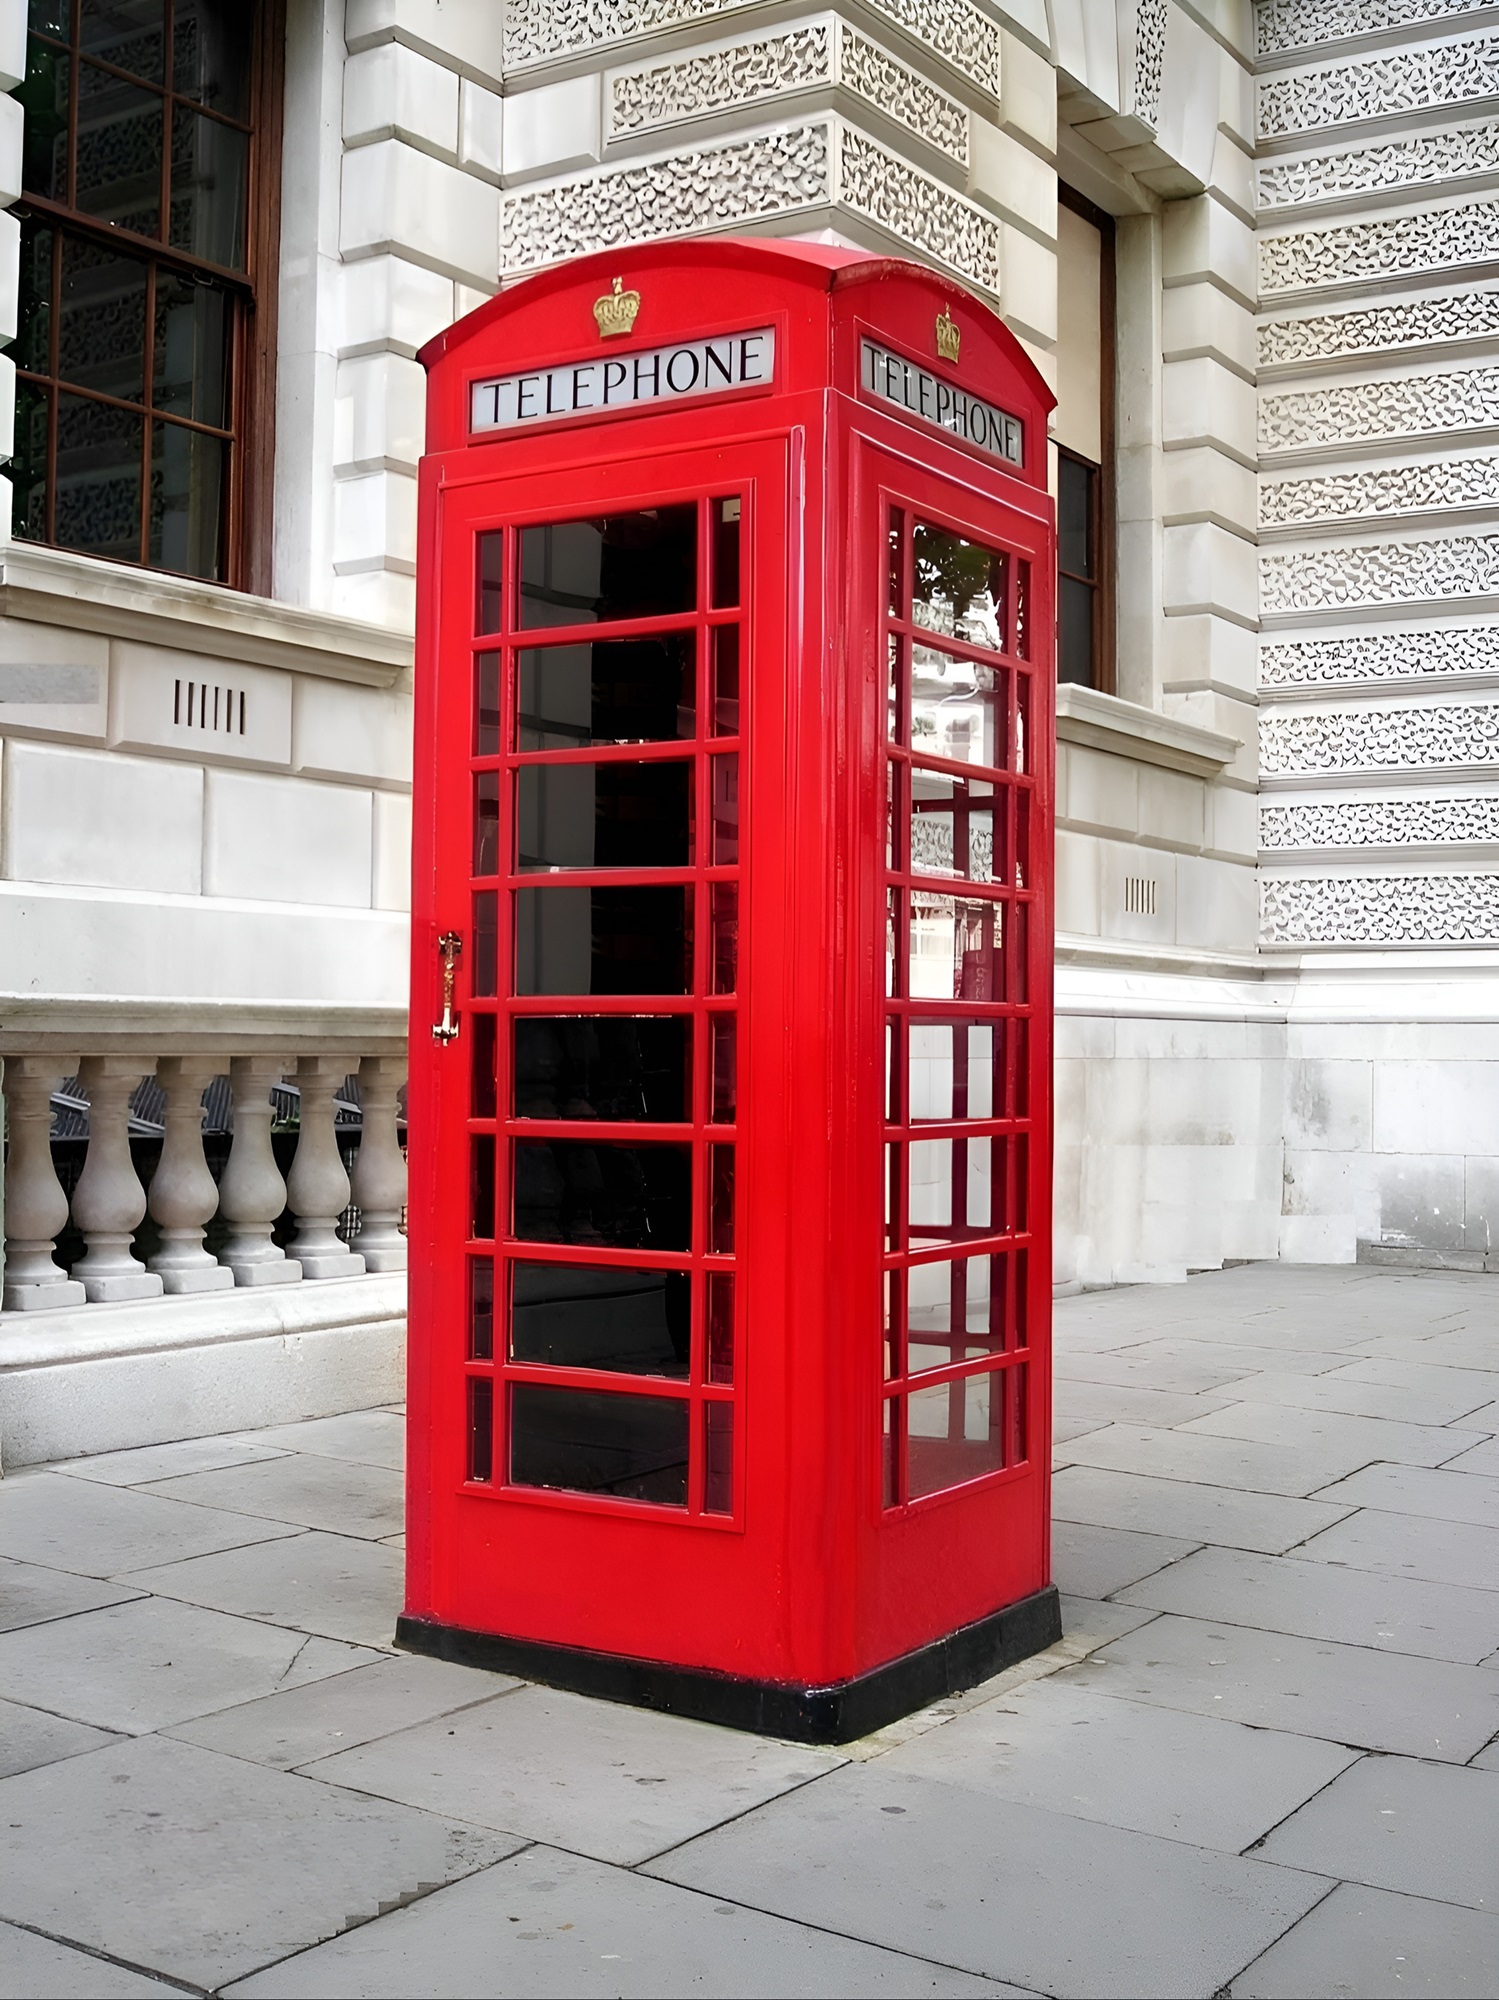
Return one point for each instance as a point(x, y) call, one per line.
point(451, 947)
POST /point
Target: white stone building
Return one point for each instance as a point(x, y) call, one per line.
point(1254, 246)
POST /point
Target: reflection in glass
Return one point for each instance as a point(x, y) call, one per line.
point(619, 1196)
point(188, 476)
point(485, 974)
point(118, 163)
point(600, 1316)
point(191, 335)
point(953, 1313)
point(613, 1067)
point(640, 565)
point(726, 680)
point(725, 812)
point(724, 1080)
point(720, 1326)
point(724, 901)
point(487, 823)
point(951, 1066)
point(211, 54)
point(589, 1441)
point(721, 1200)
point(956, 1433)
point(613, 691)
point(949, 1192)
point(480, 1429)
point(955, 948)
point(98, 501)
point(958, 587)
point(896, 592)
point(957, 709)
point(726, 552)
point(481, 1309)
point(126, 33)
point(28, 467)
point(620, 815)
point(621, 941)
point(43, 95)
point(890, 1452)
point(487, 705)
point(952, 826)
point(718, 1458)
point(33, 347)
point(210, 163)
point(489, 606)
point(101, 340)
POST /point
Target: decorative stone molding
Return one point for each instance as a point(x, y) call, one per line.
point(1380, 329)
point(1423, 488)
point(1150, 60)
point(1395, 246)
point(538, 31)
point(1379, 909)
point(1380, 822)
point(1312, 580)
point(1445, 74)
point(1283, 25)
point(1387, 737)
point(1414, 162)
point(1361, 412)
point(1379, 656)
point(825, 52)
point(822, 163)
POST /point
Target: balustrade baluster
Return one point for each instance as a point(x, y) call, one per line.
point(183, 1195)
point(36, 1209)
point(252, 1193)
point(317, 1186)
point(109, 1202)
point(379, 1168)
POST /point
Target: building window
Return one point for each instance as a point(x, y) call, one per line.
point(148, 217)
point(1084, 428)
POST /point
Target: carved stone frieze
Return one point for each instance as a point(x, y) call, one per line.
point(1150, 60)
point(878, 184)
point(1444, 73)
point(1380, 822)
point(1441, 238)
point(1443, 569)
point(1380, 656)
point(1380, 329)
point(1392, 489)
point(1283, 25)
point(1359, 412)
point(875, 75)
point(1415, 162)
point(1387, 736)
point(1379, 909)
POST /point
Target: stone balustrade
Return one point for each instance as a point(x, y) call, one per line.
point(109, 1203)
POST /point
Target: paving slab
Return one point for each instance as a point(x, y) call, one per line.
point(1399, 1823)
point(1064, 1429)
point(1393, 1614)
point(203, 1868)
point(1468, 1347)
point(1206, 1460)
point(1100, 1403)
point(1139, 1369)
point(30, 1737)
point(1186, 1777)
point(107, 1531)
point(1047, 1901)
point(30, 1595)
point(1358, 1440)
point(136, 1667)
point(39, 1968)
point(1481, 1458)
point(1228, 1347)
point(1356, 1397)
point(1473, 1386)
point(1416, 1489)
point(338, 1495)
point(164, 1461)
point(1486, 1419)
point(553, 1926)
point(363, 1437)
point(1410, 1545)
point(1094, 1562)
point(1086, 1621)
point(1377, 1946)
point(1185, 1511)
point(329, 1584)
point(616, 1783)
point(284, 1730)
point(1308, 1687)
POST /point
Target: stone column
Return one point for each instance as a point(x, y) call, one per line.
point(379, 1168)
point(183, 1195)
point(252, 1193)
point(317, 1186)
point(109, 1202)
point(35, 1206)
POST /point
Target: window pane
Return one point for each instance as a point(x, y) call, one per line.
point(725, 812)
point(956, 1433)
point(611, 1067)
point(952, 1313)
point(726, 680)
point(952, 1069)
point(102, 335)
point(192, 350)
point(50, 17)
point(481, 1309)
point(187, 496)
point(603, 941)
point(958, 586)
point(44, 97)
point(599, 1316)
point(622, 1197)
point(720, 1326)
point(955, 949)
point(487, 705)
point(617, 566)
point(726, 551)
point(480, 1429)
point(98, 479)
point(211, 54)
point(724, 1081)
point(481, 1187)
point(952, 826)
point(949, 1195)
point(604, 815)
point(481, 1056)
point(28, 467)
point(119, 151)
point(724, 903)
point(618, 691)
point(33, 347)
point(721, 1200)
point(1075, 482)
point(718, 1458)
point(127, 33)
point(956, 709)
point(209, 166)
point(634, 1447)
point(487, 823)
point(1075, 631)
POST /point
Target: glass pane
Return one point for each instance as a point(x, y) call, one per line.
point(1075, 631)
point(951, 1069)
point(1022, 611)
point(724, 901)
point(44, 144)
point(101, 340)
point(487, 823)
point(480, 1429)
point(720, 1326)
point(718, 1458)
point(28, 467)
point(481, 1187)
point(958, 586)
point(949, 1195)
point(893, 564)
point(617, 691)
point(584, 1441)
point(725, 812)
point(210, 163)
point(487, 705)
point(119, 151)
point(640, 565)
point(211, 47)
point(1075, 517)
point(614, 1196)
point(957, 709)
point(621, 941)
point(599, 1316)
point(50, 17)
point(187, 496)
point(605, 815)
point(952, 826)
point(721, 1200)
point(724, 1082)
point(956, 1433)
point(98, 479)
point(482, 1047)
point(33, 348)
point(726, 680)
point(490, 592)
point(192, 350)
point(726, 551)
point(127, 33)
point(616, 1067)
point(481, 1309)
point(486, 945)
point(953, 1314)
point(955, 949)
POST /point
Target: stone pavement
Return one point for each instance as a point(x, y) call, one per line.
point(1262, 1762)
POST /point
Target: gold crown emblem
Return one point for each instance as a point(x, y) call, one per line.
point(616, 310)
point(949, 336)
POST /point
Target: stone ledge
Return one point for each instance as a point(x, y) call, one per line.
point(1125, 729)
point(78, 1023)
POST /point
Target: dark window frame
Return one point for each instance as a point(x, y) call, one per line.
point(1103, 521)
point(251, 293)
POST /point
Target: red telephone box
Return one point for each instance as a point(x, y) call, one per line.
point(731, 989)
